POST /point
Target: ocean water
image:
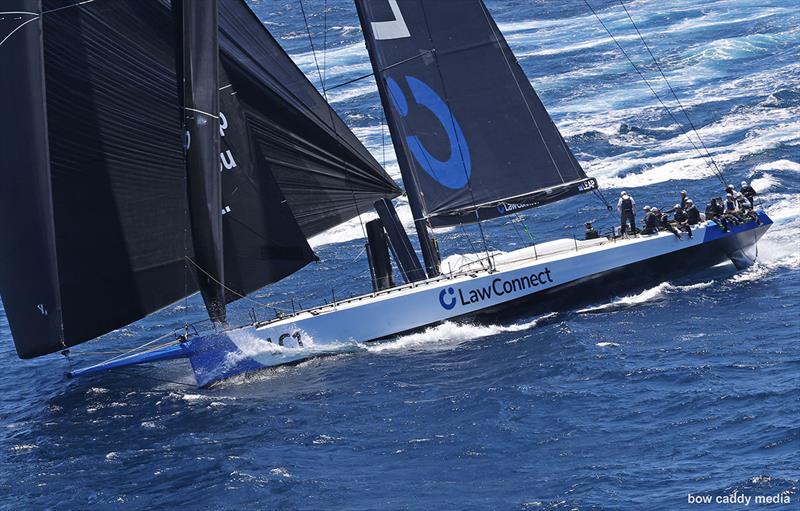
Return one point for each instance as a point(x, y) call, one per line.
point(688, 386)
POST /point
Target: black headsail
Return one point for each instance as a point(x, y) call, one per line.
point(473, 139)
point(95, 228)
point(325, 173)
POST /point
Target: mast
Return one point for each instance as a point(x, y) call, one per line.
point(415, 199)
point(198, 75)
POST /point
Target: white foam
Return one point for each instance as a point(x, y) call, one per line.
point(447, 334)
point(676, 159)
point(653, 294)
point(779, 165)
point(765, 183)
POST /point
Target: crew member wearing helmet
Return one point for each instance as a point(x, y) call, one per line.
point(748, 191)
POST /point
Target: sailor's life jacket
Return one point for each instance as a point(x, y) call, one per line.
point(680, 216)
point(627, 205)
point(730, 204)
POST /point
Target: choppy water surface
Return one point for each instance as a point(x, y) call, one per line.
point(689, 386)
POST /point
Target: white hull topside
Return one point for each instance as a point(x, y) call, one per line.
point(515, 275)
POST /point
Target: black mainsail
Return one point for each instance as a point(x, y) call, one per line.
point(102, 207)
point(473, 139)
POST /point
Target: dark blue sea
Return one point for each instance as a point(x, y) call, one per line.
point(685, 387)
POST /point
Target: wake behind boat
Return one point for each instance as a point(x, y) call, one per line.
point(267, 163)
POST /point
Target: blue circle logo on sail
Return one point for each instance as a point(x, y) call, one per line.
point(455, 171)
point(447, 304)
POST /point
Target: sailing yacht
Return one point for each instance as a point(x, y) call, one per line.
point(154, 171)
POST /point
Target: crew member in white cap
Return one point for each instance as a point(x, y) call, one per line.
point(684, 196)
point(626, 207)
point(748, 191)
point(692, 213)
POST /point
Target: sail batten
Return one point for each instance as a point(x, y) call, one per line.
point(470, 130)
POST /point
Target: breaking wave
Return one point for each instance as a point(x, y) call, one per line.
point(448, 334)
point(654, 294)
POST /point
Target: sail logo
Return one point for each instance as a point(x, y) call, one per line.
point(453, 172)
point(499, 287)
point(589, 184)
point(447, 303)
point(505, 207)
point(393, 29)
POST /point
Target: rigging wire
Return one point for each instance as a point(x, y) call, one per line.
point(325, 92)
point(233, 291)
point(599, 195)
point(525, 228)
point(313, 49)
point(674, 95)
point(717, 173)
point(324, 44)
point(516, 230)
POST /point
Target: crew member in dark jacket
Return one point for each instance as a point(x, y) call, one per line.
point(626, 207)
point(748, 191)
point(715, 212)
point(682, 219)
point(684, 198)
point(591, 233)
point(692, 213)
point(651, 221)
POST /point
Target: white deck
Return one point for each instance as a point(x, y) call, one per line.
point(377, 315)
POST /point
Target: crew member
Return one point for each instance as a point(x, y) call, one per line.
point(651, 221)
point(692, 213)
point(731, 213)
point(591, 233)
point(682, 219)
point(663, 223)
point(626, 207)
point(716, 212)
point(646, 211)
point(711, 210)
point(731, 204)
point(747, 213)
point(684, 197)
point(748, 191)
